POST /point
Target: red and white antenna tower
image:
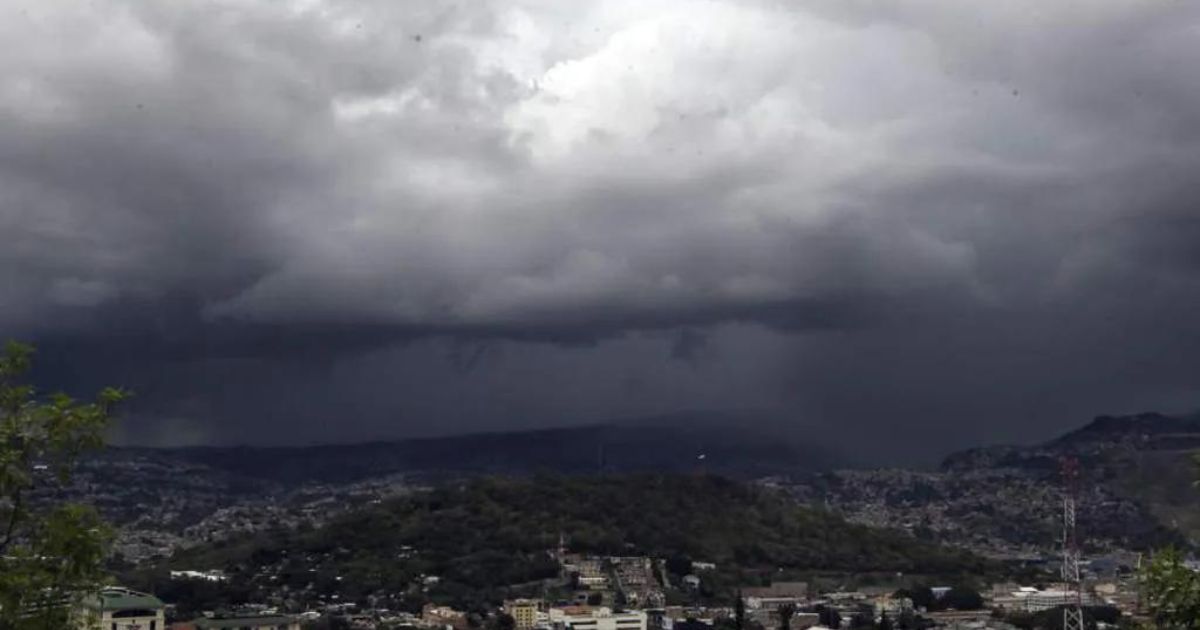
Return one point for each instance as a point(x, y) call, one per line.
point(1073, 611)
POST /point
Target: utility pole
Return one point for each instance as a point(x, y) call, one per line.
point(1073, 611)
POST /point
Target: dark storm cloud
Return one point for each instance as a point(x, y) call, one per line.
point(889, 214)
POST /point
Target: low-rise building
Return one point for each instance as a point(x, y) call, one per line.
point(590, 574)
point(893, 606)
point(117, 608)
point(1029, 599)
point(443, 617)
point(597, 618)
point(207, 576)
point(775, 595)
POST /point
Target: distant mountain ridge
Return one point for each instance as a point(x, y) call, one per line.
point(709, 443)
point(1101, 439)
point(1148, 431)
point(1147, 459)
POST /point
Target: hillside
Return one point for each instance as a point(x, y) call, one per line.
point(1103, 441)
point(162, 499)
point(730, 445)
point(1136, 491)
point(486, 535)
point(1145, 459)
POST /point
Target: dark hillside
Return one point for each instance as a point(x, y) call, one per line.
point(669, 444)
point(488, 534)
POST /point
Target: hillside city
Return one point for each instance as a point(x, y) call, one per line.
point(171, 513)
point(641, 593)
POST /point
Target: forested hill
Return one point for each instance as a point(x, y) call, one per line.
point(489, 533)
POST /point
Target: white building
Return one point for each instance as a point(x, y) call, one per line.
point(208, 576)
point(1029, 599)
point(601, 618)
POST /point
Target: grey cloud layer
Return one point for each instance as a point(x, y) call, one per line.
point(212, 174)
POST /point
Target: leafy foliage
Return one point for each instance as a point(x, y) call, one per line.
point(49, 558)
point(957, 598)
point(1172, 591)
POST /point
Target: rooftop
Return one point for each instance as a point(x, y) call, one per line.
point(120, 598)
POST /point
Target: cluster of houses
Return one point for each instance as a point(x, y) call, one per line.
point(625, 593)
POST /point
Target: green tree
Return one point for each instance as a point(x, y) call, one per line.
point(739, 611)
point(1172, 591)
point(921, 596)
point(786, 612)
point(962, 598)
point(51, 557)
point(829, 616)
point(679, 564)
point(504, 621)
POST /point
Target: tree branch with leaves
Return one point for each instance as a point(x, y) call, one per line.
point(51, 555)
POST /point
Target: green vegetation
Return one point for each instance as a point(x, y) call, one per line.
point(957, 598)
point(49, 558)
point(1172, 591)
point(492, 537)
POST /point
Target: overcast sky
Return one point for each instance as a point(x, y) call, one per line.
point(911, 226)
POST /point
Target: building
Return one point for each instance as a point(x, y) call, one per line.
point(589, 574)
point(207, 576)
point(775, 595)
point(247, 622)
point(443, 617)
point(1029, 599)
point(523, 611)
point(892, 606)
point(599, 618)
point(117, 608)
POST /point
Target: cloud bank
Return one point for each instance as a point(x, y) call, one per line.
point(941, 215)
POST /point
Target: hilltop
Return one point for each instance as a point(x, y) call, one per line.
point(1146, 459)
point(1136, 490)
point(1101, 442)
point(166, 498)
point(485, 537)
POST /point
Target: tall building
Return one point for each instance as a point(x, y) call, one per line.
point(523, 611)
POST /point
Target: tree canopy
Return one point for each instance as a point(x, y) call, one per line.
point(51, 555)
point(1172, 591)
